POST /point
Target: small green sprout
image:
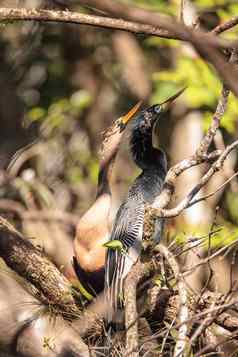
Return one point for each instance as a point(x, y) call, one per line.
point(78, 285)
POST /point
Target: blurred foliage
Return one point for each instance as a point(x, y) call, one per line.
point(162, 6)
point(60, 113)
point(223, 234)
point(198, 77)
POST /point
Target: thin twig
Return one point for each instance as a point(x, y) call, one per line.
point(212, 256)
point(205, 197)
point(173, 212)
point(225, 26)
point(210, 318)
point(37, 215)
point(199, 157)
point(174, 172)
point(220, 110)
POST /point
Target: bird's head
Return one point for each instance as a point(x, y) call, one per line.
point(141, 140)
point(148, 117)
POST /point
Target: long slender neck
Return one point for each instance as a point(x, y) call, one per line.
point(109, 150)
point(141, 146)
point(144, 154)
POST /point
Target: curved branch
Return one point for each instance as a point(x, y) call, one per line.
point(141, 26)
point(205, 44)
point(202, 42)
point(169, 185)
point(32, 264)
point(169, 213)
point(7, 14)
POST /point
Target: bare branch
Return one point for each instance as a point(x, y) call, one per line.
point(38, 215)
point(174, 172)
point(138, 271)
point(7, 14)
point(225, 26)
point(200, 40)
point(212, 256)
point(205, 197)
point(225, 337)
point(230, 322)
point(202, 326)
point(185, 203)
point(220, 110)
point(31, 263)
point(131, 316)
point(204, 44)
point(143, 26)
point(183, 309)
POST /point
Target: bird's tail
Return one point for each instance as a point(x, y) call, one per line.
point(118, 265)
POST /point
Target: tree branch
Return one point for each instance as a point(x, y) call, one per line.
point(225, 26)
point(174, 172)
point(205, 197)
point(183, 301)
point(138, 271)
point(185, 203)
point(7, 14)
point(220, 110)
point(204, 44)
point(32, 264)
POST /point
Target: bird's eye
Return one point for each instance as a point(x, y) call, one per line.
point(157, 108)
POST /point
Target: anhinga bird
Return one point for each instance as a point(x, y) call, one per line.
point(128, 225)
point(93, 229)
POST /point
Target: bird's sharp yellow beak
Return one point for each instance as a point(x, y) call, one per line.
point(126, 118)
point(170, 100)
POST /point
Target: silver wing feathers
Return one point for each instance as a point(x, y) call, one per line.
point(128, 228)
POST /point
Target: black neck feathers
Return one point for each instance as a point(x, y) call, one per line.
point(144, 154)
